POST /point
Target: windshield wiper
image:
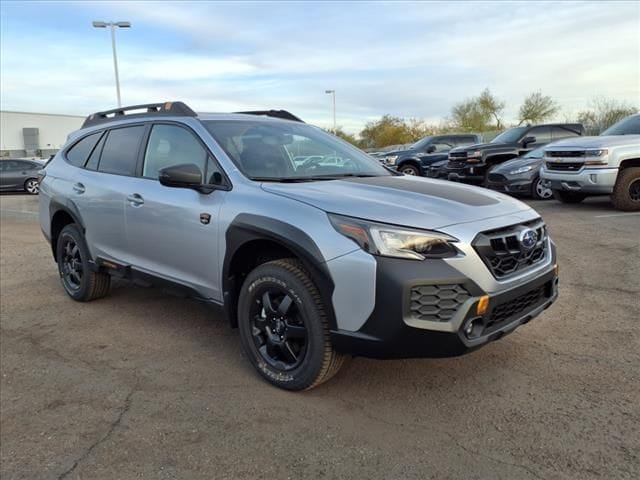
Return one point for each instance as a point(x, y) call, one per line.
point(289, 179)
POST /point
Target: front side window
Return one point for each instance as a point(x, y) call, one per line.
point(172, 145)
point(78, 154)
point(120, 150)
point(542, 134)
point(441, 147)
point(510, 136)
point(265, 151)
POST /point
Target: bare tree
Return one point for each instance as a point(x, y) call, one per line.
point(537, 108)
point(603, 113)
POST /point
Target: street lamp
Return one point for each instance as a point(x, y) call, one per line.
point(112, 25)
point(333, 93)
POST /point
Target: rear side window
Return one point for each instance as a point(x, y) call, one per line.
point(559, 132)
point(92, 163)
point(79, 153)
point(120, 151)
point(172, 145)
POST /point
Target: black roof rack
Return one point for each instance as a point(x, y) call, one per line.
point(275, 113)
point(149, 110)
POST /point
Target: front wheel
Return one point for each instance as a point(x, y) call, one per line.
point(410, 170)
point(565, 196)
point(31, 186)
point(284, 328)
point(539, 191)
point(626, 192)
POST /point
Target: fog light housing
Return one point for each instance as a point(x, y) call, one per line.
point(473, 328)
point(483, 305)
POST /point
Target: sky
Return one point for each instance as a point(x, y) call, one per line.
point(408, 59)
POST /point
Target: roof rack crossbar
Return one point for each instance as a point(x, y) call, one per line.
point(149, 110)
point(275, 113)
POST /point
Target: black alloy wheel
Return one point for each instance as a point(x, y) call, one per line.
point(72, 265)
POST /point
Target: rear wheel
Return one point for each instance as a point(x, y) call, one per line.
point(32, 186)
point(539, 191)
point(78, 280)
point(626, 192)
point(283, 326)
point(410, 169)
point(565, 196)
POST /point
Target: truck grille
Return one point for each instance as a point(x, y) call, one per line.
point(507, 311)
point(565, 166)
point(437, 303)
point(503, 252)
point(565, 154)
point(456, 163)
point(457, 155)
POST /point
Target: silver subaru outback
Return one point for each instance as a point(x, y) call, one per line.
point(312, 261)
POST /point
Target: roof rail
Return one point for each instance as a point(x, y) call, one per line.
point(276, 114)
point(149, 110)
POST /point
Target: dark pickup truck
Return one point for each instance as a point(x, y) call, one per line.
point(416, 159)
point(471, 164)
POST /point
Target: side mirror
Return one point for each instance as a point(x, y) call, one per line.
point(527, 140)
point(186, 175)
point(431, 148)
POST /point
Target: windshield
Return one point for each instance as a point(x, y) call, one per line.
point(266, 151)
point(537, 153)
point(626, 126)
point(420, 144)
point(510, 136)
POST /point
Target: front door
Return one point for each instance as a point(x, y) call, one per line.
point(173, 232)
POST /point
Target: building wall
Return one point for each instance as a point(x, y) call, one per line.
point(52, 132)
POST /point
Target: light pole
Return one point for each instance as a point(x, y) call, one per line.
point(112, 25)
point(333, 93)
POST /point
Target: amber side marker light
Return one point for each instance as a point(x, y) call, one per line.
point(556, 269)
point(483, 305)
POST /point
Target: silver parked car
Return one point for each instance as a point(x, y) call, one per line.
point(20, 175)
point(312, 263)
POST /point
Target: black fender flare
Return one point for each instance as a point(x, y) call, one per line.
point(249, 227)
point(60, 204)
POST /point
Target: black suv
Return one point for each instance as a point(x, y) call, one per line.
point(471, 164)
point(418, 157)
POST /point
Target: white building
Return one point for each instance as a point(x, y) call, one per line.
point(25, 134)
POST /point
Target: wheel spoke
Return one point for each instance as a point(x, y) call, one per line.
point(295, 331)
point(284, 306)
point(74, 250)
point(260, 323)
point(67, 249)
point(288, 354)
point(266, 304)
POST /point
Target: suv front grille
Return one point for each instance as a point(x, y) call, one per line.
point(565, 166)
point(511, 309)
point(565, 154)
point(504, 253)
point(437, 303)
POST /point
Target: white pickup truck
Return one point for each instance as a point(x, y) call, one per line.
point(608, 164)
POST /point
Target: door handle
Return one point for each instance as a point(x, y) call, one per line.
point(78, 188)
point(135, 199)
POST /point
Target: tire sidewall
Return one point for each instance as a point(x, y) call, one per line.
point(256, 282)
point(534, 190)
point(404, 168)
point(621, 196)
point(73, 232)
point(36, 186)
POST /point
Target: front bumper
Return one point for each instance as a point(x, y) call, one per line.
point(591, 181)
point(518, 184)
point(394, 331)
point(467, 174)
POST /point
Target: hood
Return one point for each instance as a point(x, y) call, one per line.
point(596, 142)
point(477, 146)
point(399, 152)
point(516, 163)
point(401, 200)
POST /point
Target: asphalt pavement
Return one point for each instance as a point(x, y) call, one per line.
point(141, 385)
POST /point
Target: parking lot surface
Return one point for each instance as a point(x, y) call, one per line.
point(148, 386)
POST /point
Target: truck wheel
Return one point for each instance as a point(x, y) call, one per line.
point(565, 196)
point(410, 169)
point(539, 191)
point(626, 192)
point(78, 280)
point(284, 328)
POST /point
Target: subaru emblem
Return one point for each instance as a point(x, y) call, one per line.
point(528, 239)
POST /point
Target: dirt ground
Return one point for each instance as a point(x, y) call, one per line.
point(141, 385)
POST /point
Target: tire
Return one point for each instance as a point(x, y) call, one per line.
point(284, 328)
point(568, 197)
point(78, 280)
point(31, 186)
point(410, 169)
point(626, 192)
point(538, 192)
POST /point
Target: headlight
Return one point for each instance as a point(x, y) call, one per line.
point(474, 154)
point(391, 159)
point(596, 153)
point(392, 241)
point(527, 168)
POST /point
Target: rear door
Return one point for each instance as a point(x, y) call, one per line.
point(8, 172)
point(173, 232)
point(100, 191)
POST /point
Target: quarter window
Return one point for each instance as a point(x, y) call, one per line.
point(120, 150)
point(172, 145)
point(79, 153)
